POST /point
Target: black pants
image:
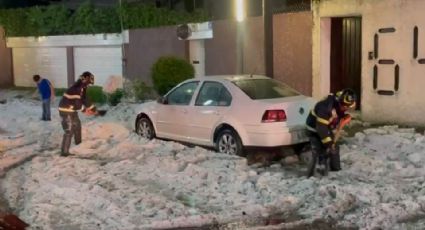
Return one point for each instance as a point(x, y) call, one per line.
point(71, 125)
point(319, 153)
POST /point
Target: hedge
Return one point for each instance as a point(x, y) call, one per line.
point(87, 19)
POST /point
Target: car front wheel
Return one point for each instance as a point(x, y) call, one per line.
point(145, 128)
point(228, 142)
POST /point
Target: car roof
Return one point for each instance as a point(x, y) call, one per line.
point(232, 77)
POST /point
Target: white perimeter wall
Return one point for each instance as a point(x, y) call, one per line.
point(100, 54)
point(102, 62)
point(408, 104)
point(50, 63)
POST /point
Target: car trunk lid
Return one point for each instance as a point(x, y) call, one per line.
point(296, 108)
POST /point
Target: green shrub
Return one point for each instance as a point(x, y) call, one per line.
point(95, 94)
point(140, 90)
point(115, 97)
point(59, 91)
point(167, 72)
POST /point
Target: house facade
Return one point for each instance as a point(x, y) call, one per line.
point(376, 47)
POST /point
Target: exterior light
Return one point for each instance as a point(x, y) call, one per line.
point(240, 10)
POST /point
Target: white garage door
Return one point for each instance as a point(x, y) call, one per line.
point(49, 63)
point(102, 62)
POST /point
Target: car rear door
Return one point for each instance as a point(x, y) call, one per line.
point(212, 103)
point(172, 120)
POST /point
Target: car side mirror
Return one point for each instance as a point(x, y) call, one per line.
point(162, 100)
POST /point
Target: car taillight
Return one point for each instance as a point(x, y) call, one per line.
point(274, 116)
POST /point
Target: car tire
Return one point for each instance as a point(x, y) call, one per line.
point(300, 148)
point(145, 128)
point(229, 142)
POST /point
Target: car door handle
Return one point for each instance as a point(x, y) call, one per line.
point(215, 112)
point(184, 110)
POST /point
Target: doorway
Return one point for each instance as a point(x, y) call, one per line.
point(345, 63)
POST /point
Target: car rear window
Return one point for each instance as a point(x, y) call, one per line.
point(258, 89)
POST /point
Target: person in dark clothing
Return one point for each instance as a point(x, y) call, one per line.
point(47, 93)
point(328, 115)
point(74, 99)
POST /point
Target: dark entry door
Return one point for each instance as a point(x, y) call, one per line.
point(346, 54)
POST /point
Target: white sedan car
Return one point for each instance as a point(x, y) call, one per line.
point(228, 113)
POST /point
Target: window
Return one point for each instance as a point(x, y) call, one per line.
point(213, 94)
point(264, 88)
point(182, 94)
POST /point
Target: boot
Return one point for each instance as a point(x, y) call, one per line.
point(66, 143)
point(76, 128)
point(322, 166)
point(312, 164)
point(317, 154)
point(334, 160)
point(77, 136)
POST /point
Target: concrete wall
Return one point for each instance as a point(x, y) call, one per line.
point(253, 46)
point(292, 50)
point(221, 50)
point(6, 77)
point(146, 46)
point(406, 106)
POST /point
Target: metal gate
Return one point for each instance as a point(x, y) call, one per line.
point(346, 54)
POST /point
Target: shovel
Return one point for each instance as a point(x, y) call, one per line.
point(9, 221)
point(101, 112)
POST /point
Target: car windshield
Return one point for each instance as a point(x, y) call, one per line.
point(258, 89)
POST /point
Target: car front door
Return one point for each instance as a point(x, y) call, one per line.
point(172, 118)
point(212, 102)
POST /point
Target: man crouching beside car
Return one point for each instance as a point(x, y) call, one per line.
point(326, 116)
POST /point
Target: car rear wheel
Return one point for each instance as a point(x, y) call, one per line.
point(301, 148)
point(228, 142)
point(145, 128)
